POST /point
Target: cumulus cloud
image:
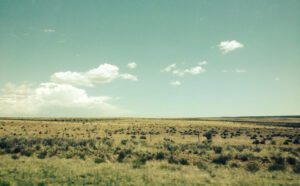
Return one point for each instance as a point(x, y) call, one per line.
point(175, 83)
point(228, 46)
point(105, 73)
point(69, 77)
point(132, 65)
point(19, 100)
point(181, 72)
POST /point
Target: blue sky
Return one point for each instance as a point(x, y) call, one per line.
point(110, 58)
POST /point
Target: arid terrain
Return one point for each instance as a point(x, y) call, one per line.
point(136, 151)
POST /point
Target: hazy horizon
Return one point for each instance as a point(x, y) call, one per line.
point(155, 59)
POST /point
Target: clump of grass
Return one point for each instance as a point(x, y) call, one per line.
point(160, 156)
point(4, 183)
point(217, 149)
point(208, 136)
point(252, 167)
point(278, 165)
point(245, 157)
point(222, 159)
point(201, 165)
point(138, 163)
point(291, 160)
point(234, 165)
point(296, 168)
point(172, 160)
point(121, 156)
point(14, 156)
point(183, 161)
point(99, 159)
point(26, 152)
point(42, 155)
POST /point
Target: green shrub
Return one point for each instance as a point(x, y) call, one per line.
point(234, 165)
point(201, 165)
point(26, 152)
point(121, 156)
point(172, 160)
point(69, 155)
point(276, 167)
point(217, 149)
point(245, 157)
point(138, 163)
point(208, 136)
point(4, 183)
point(222, 159)
point(143, 137)
point(160, 156)
point(42, 155)
point(252, 167)
point(296, 168)
point(291, 160)
point(14, 156)
point(184, 161)
point(99, 160)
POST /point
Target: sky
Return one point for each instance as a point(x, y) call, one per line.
point(137, 58)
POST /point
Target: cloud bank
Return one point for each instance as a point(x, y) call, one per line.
point(62, 94)
point(105, 73)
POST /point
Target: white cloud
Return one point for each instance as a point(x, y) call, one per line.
point(202, 63)
point(49, 30)
point(228, 46)
point(181, 72)
point(105, 73)
point(240, 70)
point(175, 83)
point(73, 78)
point(129, 77)
point(132, 65)
point(169, 68)
point(23, 100)
point(195, 70)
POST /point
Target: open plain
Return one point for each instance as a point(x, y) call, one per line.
point(137, 151)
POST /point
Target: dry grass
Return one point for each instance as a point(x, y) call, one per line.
point(189, 158)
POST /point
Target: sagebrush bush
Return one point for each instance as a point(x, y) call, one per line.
point(222, 159)
point(4, 183)
point(42, 155)
point(14, 156)
point(172, 160)
point(121, 156)
point(184, 161)
point(139, 162)
point(245, 157)
point(296, 168)
point(99, 159)
point(217, 149)
point(201, 165)
point(252, 167)
point(291, 160)
point(160, 156)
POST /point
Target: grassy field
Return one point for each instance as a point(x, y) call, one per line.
point(135, 151)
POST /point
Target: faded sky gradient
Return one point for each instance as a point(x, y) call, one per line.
point(257, 73)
